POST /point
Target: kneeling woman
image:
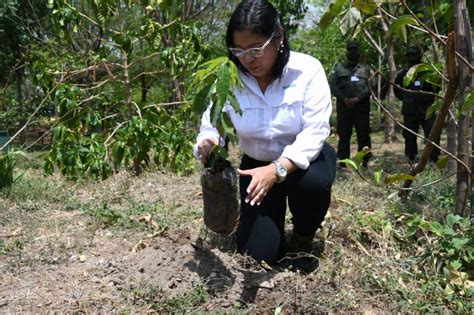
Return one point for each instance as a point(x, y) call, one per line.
point(286, 105)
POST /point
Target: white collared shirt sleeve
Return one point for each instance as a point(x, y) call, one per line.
point(291, 119)
point(206, 131)
point(316, 113)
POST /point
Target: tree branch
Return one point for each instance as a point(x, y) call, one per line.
point(435, 35)
point(438, 124)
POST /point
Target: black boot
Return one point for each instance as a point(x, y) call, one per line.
point(301, 254)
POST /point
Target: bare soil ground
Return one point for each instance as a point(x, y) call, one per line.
point(59, 258)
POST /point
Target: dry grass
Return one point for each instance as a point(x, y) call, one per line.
point(128, 245)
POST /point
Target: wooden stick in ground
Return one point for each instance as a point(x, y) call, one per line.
point(443, 112)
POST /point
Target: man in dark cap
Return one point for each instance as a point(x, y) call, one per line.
point(415, 104)
point(350, 86)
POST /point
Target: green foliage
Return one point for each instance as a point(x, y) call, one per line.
point(334, 9)
point(154, 135)
point(193, 298)
point(216, 82)
point(105, 119)
point(133, 142)
point(217, 159)
point(76, 155)
point(326, 45)
point(12, 246)
point(468, 102)
point(399, 26)
point(430, 73)
point(7, 165)
point(356, 161)
point(447, 250)
point(152, 297)
point(291, 11)
point(20, 27)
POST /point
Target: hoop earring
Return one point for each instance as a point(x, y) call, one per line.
point(281, 48)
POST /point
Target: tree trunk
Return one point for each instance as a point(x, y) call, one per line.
point(128, 90)
point(471, 49)
point(128, 100)
point(379, 87)
point(448, 99)
point(451, 143)
point(391, 134)
point(462, 27)
point(21, 105)
point(450, 122)
point(144, 87)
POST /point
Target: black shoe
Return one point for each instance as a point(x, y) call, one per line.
point(412, 159)
point(301, 254)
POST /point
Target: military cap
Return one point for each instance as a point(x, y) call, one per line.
point(413, 50)
point(352, 44)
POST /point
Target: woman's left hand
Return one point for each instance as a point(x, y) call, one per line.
point(263, 179)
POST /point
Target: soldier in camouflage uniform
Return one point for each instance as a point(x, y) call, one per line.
point(415, 105)
point(350, 86)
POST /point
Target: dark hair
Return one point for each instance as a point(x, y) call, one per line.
point(259, 17)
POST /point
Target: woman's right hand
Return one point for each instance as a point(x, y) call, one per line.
point(204, 147)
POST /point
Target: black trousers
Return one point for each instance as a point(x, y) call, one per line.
point(347, 119)
point(414, 122)
point(261, 229)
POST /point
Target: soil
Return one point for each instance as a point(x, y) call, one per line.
point(69, 263)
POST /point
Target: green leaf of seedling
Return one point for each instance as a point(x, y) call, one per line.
point(235, 104)
point(217, 159)
point(216, 110)
point(228, 128)
point(395, 178)
point(201, 101)
point(220, 128)
point(235, 81)
point(222, 84)
point(207, 71)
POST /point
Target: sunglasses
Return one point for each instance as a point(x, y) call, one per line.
point(254, 52)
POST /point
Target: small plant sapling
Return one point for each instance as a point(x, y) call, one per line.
point(216, 81)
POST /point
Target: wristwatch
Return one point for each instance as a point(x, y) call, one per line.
point(281, 171)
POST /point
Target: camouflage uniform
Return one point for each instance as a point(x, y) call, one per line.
point(352, 81)
point(414, 107)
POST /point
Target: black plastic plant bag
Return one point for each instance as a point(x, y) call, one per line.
point(220, 196)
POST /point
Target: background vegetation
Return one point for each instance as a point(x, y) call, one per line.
point(91, 88)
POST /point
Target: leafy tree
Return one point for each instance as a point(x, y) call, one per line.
point(404, 22)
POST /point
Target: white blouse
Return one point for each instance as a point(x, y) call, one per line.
point(291, 119)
